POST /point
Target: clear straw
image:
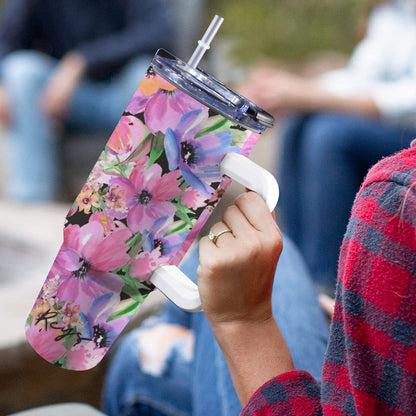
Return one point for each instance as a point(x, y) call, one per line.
point(206, 40)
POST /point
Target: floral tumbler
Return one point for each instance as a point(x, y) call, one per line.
point(151, 190)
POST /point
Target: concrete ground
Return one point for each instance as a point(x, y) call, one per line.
point(30, 236)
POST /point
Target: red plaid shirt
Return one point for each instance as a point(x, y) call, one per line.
point(370, 364)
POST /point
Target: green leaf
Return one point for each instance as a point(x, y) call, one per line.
point(213, 124)
point(157, 148)
point(179, 226)
point(125, 308)
point(138, 149)
point(184, 214)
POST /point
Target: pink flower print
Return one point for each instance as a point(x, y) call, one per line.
point(163, 104)
point(70, 313)
point(116, 203)
point(85, 261)
point(97, 335)
point(159, 238)
point(198, 158)
point(193, 199)
point(146, 263)
point(128, 134)
point(148, 193)
point(105, 220)
point(46, 342)
point(84, 356)
point(158, 249)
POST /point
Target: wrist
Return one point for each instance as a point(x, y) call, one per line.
point(255, 353)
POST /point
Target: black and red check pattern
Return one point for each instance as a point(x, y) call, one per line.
point(370, 364)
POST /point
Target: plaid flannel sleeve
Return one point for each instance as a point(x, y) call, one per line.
point(370, 365)
point(293, 393)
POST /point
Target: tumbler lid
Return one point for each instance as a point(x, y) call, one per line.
point(211, 92)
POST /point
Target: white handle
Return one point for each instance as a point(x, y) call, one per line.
point(171, 281)
point(177, 287)
point(252, 176)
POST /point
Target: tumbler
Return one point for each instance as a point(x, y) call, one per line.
point(180, 140)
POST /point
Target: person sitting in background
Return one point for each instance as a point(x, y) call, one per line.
point(75, 62)
point(334, 127)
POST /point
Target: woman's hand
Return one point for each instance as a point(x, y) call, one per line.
point(4, 107)
point(235, 275)
point(62, 84)
point(235, 280)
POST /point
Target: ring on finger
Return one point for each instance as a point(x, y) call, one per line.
point(214, 236)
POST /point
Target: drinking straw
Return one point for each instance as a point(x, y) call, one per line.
point(206, 40)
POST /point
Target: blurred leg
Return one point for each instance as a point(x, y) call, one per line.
point(32, 156)
point(290, 140)
point(336, 154)
point(150, 374)
point(98, 105)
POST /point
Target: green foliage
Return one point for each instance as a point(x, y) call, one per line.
point(290, 30)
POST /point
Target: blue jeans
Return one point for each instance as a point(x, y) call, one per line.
point(324, 158)
point(32, 152)
point(200, 384)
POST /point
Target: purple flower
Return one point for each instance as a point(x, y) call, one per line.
point(147, 194)
point(198, 158)
point(162, 103)
point(85, 261)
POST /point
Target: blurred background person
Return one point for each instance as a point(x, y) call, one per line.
point(74, 64)
point(336, 126)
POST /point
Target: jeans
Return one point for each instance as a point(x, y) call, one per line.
point(32, 153)
point(183, 384)
point(324, 158)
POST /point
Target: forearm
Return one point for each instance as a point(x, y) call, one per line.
point(254, 352)
point(318, 99)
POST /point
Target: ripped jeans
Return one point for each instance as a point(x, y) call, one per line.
point(172, 365)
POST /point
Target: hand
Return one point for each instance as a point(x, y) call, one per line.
point(235, 279)
point(4, 107)
point(327, 304)
point(279, 91)
point(58, 91)
point(235, 275)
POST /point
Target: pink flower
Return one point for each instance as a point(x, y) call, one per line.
point(148, 193)
point(162, 103)
point(115, 201)
point(194, 199)
point(84, 356)
point(146, 263)
point(96, 337)
point(44, 342)
point(127, 135)
point(85, 261)
point(105, 220)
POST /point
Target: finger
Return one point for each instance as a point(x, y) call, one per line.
point(253, 207)
point(327, 304)
point(237, 222)
point(222, 233)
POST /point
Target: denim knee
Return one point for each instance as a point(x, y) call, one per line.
point(25, 72)
point(326, 135)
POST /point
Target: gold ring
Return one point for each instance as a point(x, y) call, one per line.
point(214, 237)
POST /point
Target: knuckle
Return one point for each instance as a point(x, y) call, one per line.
point(247, 197)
